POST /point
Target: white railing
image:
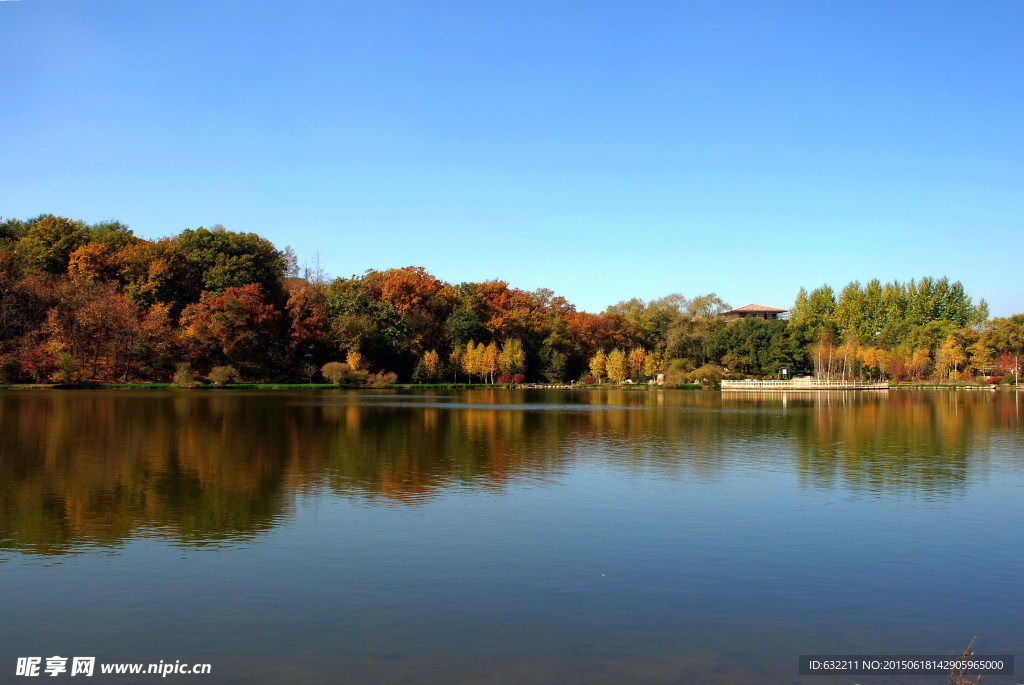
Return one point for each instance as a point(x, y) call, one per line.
point(808, 384)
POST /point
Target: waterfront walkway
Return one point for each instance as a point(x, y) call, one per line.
point(801, 385)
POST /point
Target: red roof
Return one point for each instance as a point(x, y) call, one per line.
point(755, 308)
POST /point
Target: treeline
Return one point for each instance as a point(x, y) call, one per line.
point(81, 302)
point(925, 329)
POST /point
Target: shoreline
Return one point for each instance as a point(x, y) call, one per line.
point(688, 387)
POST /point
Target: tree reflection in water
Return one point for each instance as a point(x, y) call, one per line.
point(97, 468)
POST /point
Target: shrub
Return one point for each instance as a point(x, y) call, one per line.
point(382, 379)
point(1008, 379)
point(678, 372)
point(518, 378)
point(184, 376)
point(336, 372)
point(589, 380)
point(36, 363)
point(222, 375)
point(993, 380)
point(708, 375)
point(10, 369)
point(67, 369)
point(505, 378)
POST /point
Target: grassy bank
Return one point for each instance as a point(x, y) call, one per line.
point(328, 386)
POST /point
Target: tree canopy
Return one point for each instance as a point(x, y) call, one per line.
point(96, 302)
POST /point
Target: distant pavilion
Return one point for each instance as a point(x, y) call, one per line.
point(754, 311)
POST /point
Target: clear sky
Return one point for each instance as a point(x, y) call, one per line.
point(604, 150)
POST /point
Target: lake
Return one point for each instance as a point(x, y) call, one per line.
point(499, 536)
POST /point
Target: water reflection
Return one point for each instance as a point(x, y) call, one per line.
point(97, 468)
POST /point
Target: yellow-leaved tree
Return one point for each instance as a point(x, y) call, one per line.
point(635, 362)
point(355, 360)
point(950, 358)
point(512, 358)
point(919, 361)
point(598, 365)
point(652, 364)
point(616, 366)
point(491, 360)
point(870, 359)
point(455, 360)
point(431, 363)
point(472, 360)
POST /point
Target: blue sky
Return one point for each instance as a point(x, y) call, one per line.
point(603, 150)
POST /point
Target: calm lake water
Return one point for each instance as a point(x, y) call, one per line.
point(508, 536)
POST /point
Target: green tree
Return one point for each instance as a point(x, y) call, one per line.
point(217, 259)
point(554, 364)
point(419, 374)
point(512, 359)
point(358, 320)
point(49, 241)
point(464, 324)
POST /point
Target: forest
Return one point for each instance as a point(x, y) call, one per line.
point(83, 303)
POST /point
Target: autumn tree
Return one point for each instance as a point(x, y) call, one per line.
point(512, 359)
point(652, 365)
point(355, 360)
point(455, 358)
point(49, 241)
point(491, 363)
point(950, 358)
point(982, 357)
point(873, 359)
point(92, 261)
point(599, 365)
point(25, 299)
point(635, 361)
point(236, 327)
point(919, 362)
point(156, 348)
point(154, 272)
point(308, 327)
point(95, 326)
point(617, 366)
point(431, 364)
point(423, 301)
point(823, 355)
point(473, 360)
